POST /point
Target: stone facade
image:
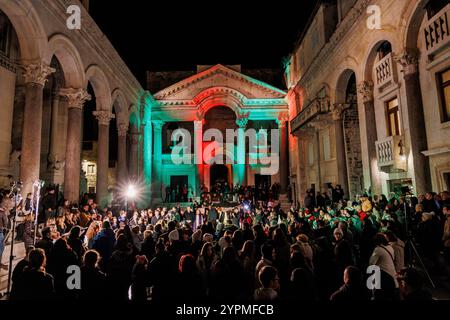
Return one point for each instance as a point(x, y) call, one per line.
point(217, 97)
point(46, 70)
point(399, 116)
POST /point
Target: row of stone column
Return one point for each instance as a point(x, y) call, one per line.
point(239, 175)
point(35, 79)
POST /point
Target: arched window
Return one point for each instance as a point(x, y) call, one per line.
point(5, 34)
point(434, 6)
point(384, 49)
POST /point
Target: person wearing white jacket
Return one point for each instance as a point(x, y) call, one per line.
point(399, 250)
point(383, 256)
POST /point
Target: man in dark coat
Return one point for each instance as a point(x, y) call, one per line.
point(46, 243)
point(104, 243)
point(49, 204)
point(353, 289)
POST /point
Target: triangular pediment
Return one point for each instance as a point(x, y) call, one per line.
point(219, 76)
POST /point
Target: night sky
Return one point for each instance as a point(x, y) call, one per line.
point(178, 36)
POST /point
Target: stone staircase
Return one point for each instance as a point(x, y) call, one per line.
point(284, 202)
point(19, 254)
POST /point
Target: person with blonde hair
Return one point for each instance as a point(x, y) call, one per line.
point(91, 232)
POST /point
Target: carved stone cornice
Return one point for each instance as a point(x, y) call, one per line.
point(103, 117)
point(37, 72)
point(198, 125)
point(218, 69)
point(365, 90)
point(338, 110)
point(242, 119)
point(358, 12)
point(242, 122)
point(282, 120)
point(409, 61)
point(122, 130)
point(158, 124)
point(76, 98)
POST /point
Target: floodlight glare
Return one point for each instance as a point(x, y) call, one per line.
point(131, 192)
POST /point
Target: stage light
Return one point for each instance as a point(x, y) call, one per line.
point(131, 192)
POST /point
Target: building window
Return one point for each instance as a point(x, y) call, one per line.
point(5, 32)
point(393, 118)
point(444, 87)
point(384, 49)
point(91, 169)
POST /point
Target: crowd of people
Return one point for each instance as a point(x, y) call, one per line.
point(252, 251)
point(222, 192)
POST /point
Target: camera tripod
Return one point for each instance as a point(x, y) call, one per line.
point(412, 250)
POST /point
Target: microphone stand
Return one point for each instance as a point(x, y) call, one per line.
point(16, 189)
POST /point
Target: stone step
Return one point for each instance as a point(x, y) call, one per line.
point(19, 254)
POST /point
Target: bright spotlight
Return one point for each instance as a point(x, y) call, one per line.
point(131, 192)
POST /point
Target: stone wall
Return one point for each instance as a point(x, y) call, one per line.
point(353, 150)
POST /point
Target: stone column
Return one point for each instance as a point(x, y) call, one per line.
point(122, 172)
point(319, 160)
point(35, 77)
point(416, 120)
point(340, 148)
point(198, 151)
point(75, 101)
point(134, 150)
point(147, 158)
point(157, 160)
point(284, 157)
point(365, 92)
point(240, 165)
point(103, 117)
point(54, 159)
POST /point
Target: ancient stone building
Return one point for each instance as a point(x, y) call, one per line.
point(216, 97)
point(65, 94)
point(370, 104)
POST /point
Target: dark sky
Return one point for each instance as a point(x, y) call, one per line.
point(178, 36)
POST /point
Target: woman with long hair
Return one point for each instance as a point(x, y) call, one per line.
point(189, 278)
point(205, 264)
point(60, 224)
point(120, 266)
point(93, 280)
point(247, 258)
point(75, 242)
point(91, 232)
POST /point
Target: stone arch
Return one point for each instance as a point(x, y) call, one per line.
point(220, 97)
point(119, 104)
point(371, 54)
point(29, 29)
point(69, 58)
point(415, 11)
point(101, 87)
point(341, 85)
